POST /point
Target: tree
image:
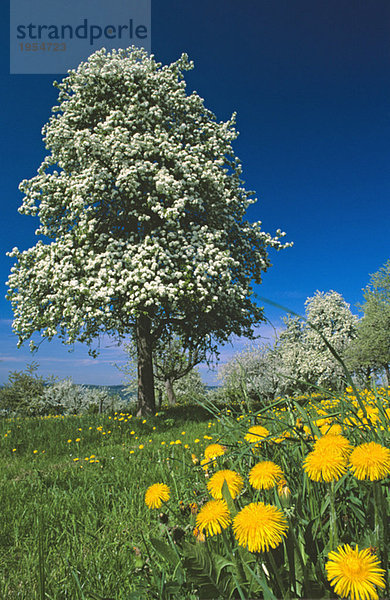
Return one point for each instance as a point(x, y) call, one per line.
point(171, 362)
point(141, 208)
point(291, 350)
point(370, 351)
point(253, 373)
point(379, 286)
point(23, 391)
point(190, 388)
point(303, 352)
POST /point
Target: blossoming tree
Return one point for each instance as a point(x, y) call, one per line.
point(304, 355)
point(141, 210)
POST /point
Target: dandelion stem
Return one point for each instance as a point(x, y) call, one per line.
point(333, 537)
point(239, 567)
point(380, 522)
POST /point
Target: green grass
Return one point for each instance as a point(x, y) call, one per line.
point(75, 524)
point(80, 521)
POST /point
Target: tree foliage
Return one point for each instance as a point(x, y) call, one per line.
point(304, 355)
point(23, 391)
point(369, 353)
point(141, 209)
point(300, 358)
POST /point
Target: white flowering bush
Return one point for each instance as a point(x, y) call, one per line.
point(67, 398)
point(141, 211)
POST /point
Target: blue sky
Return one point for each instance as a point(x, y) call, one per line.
point(310, 82)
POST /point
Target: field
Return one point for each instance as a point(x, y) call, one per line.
point(75, 523)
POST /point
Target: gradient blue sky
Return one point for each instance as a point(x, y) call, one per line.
point(310, 81)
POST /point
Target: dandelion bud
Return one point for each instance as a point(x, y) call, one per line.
point(199, 535)
point(284, 491)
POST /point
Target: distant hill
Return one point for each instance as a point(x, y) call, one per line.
point(120, 389)
point(111, 389)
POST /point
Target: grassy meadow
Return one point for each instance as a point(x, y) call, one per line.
point(75, 524)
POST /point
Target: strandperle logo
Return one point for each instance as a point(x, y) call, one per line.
point(53, 36)
point(84, 31)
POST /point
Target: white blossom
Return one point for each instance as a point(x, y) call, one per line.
point(143, 212)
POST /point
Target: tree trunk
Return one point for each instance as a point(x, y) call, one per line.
point(146, 398)
point(387, 371)
point(368, 377)
point(170, 392)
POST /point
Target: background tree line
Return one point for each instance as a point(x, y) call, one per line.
point(299, 361)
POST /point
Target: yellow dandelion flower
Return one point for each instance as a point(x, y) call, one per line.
point(370, 461)
point(233, 480)
point(338, 442)
point(213, 517)
point(156, 494)
point(354, 573)
point(256, 434)
point(259, 526)
point(325, 464)
point(265, 475)
point(213, 450)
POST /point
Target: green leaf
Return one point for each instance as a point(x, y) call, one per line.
point(311, 548)
point(220, 562)
point(205, 570)
point(165, 551)
point(228, 499)
point(263, 585)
